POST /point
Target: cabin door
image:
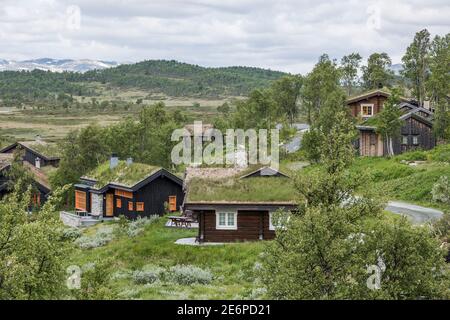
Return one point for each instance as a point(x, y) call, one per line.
point(109, 205)
point(172, 203)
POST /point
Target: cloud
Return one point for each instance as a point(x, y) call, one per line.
point(285, 35)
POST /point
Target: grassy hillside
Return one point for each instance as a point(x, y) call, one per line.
point(396, 179)
point(153, 251)
point(170, 78)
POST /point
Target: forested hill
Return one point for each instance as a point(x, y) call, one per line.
point(155, 76)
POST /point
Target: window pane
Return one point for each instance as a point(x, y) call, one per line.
point(231, 219)
point(221, 219)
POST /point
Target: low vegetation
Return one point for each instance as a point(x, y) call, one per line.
point(399, 180)
point(235, 188)
point(124, 174)
point(150, 265)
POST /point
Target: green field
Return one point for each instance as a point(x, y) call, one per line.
point(53, 125)
point(232, 265)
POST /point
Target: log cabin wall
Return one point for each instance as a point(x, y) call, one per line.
point(414, 128)
point(377, 102)
point(250, 225)
point(370, 144)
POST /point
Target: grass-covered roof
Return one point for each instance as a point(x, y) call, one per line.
point(49, 150)
point(231, 188)
point(127, 175)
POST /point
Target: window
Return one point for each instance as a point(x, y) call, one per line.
point(415, 140)
point(277, 224)
point(404, 139)
point(124, 194)
point(172, 203)
point(80, 200)
point(226, 220)
point(119, 203)
point(130, 206)
point(36, 201)
point(139, 206)
point(367, 110)
point(373, 139)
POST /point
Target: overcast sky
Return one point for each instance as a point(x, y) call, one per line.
point(283, 35)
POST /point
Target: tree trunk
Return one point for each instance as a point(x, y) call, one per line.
point(390, 146)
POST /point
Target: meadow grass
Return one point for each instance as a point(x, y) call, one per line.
point(231, 265)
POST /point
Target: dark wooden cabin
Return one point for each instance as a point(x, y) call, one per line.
point(416, 132)
point(231, 218)
point(39, 159)
point(132, 189)
point(37, 153)
point(5, 163)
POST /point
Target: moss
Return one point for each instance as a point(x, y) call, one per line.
point(50, 150)
point(256, 189)
point(123, 174)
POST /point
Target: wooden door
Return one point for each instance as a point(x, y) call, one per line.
point(109, 204)
point(172, 203)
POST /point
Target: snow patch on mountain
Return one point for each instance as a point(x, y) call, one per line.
point(56, 65)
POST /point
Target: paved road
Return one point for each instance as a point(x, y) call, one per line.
point(417, 214)
point(296, 142)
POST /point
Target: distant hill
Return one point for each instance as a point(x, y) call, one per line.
point(55, 65)
point(155, 76)
point(396, 68)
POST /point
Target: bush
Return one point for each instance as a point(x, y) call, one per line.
point(441, 190)
point(137, 226)
point(71, 233)
point(188, 274)
point(148, 275)
point(440, 153)
point(417, 155)
point(101, 238)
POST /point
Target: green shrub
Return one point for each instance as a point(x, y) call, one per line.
point(71, 233)
point(417, 155)
point(188, 274)
point(440, 153)
point(101, 238)
point(137, 226)
point(149, 274)
point(441, 190)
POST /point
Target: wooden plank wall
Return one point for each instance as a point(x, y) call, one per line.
point(249, 224)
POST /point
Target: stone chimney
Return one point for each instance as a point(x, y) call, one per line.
point(37, 163)
point(114, 161)
point(38, 138)
point(129, 161)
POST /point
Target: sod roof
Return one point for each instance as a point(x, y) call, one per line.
point(5, 160)
point(127, 175)
point(49, 150)
point(227, 185)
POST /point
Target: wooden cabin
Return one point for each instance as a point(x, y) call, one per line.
point(40, 159)
point(134, 190)
point(416, 132)
point(37, 153)
point(237, 204)
point(5, 163)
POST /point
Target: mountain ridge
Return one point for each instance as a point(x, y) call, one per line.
point(168, 77)
point(56, 65)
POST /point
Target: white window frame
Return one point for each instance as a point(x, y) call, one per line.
point(367, 105)
point(415, 140)
point(226, 226)
point(273, 227)
point(403, 140)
